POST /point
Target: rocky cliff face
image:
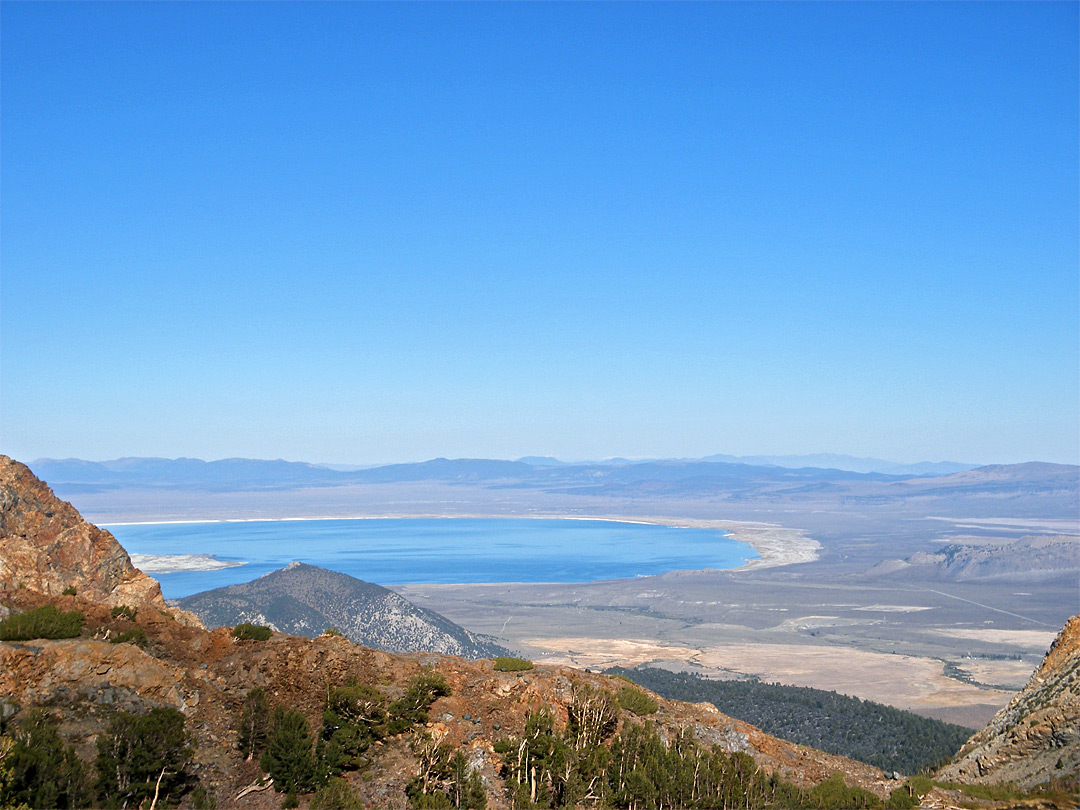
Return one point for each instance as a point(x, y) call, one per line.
point(46, 546)
point(1037, 736)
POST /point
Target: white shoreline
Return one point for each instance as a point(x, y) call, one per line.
point(775, 545)
point(178, 563)
point(432, 516)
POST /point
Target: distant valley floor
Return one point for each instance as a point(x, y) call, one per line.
point(913, 648)
point(942, 603)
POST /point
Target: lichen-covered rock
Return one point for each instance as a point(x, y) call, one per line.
point(47, 546)
point(1037, 736)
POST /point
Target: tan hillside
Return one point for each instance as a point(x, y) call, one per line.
point(1037, 736)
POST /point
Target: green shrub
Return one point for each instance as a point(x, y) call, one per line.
point(254, 722)
point(412, 707)
point(136, 636)
point(920, 785)
point(203, 799)
point(337, 794)
point(333, 631)
point(833, 794)
point(635, 701)
point(124, 612)
point(41, 622)
point(252, 632)
point(352, 721)
point(69, 590)
point(997, 792)
point(505, 663)
point(903, 798)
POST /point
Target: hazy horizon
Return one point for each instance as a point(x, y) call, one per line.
point(370, 233)
point(749, 459)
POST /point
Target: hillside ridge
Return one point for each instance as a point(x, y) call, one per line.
point(305, 600)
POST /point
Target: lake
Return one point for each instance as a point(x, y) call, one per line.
point(394, 551)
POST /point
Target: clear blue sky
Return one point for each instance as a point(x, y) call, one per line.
point(364, 233)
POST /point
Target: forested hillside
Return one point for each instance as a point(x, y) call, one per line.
point(891, 739)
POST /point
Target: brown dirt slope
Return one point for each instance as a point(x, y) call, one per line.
point(1037, 736)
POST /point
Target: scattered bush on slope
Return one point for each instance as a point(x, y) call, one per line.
point(41, 622)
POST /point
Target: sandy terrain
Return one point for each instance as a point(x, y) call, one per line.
point(1014, 524)
point(907, 682)
point(1008, 673)
point(1018, 638)
point(775, 544)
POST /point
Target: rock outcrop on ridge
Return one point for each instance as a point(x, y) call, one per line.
point(304, 600)
point(1037, 736)
point(46, 546)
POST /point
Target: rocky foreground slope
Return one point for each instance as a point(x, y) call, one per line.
point(133, 655)
point(206, 676)
point(1037, 736)
point(304, 600)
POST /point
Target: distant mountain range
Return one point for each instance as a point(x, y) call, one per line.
point(305, 600)
point(234, 474)
point(1033, 489)
point(824, 461)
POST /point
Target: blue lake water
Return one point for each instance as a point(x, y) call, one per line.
point(395, 551)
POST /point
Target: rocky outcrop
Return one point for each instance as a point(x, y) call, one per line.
point(46, 546)
point(1037, 736)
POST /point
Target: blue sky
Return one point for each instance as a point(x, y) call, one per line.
point(365, 233)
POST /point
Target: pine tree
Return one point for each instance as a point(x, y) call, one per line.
point(254, 722)
point(289, 757)
point(39, 770)
point(144, 755)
